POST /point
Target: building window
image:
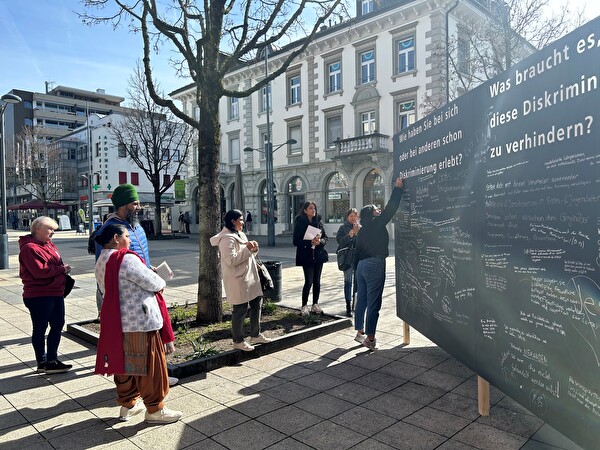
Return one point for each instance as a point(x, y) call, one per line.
point(135, 178)
point(367, 67)
point(405, 114)
point(373, 189)
point(338, 198)
point(335, 77)
point(367, 123)
point(295, 132)
point(263, 203)
point(176, 155)
point(406, 54)
point(264, 139)
point(367, 6)
point(294, 90)
point(234, 150)
point(121, 150)
point(334, 129)
point(265, 98)
point(233, 108)
point(166, 180)
point(463, 51)
point(122, 177)
point(196, 113)
point(98, 149)
point(166, 154)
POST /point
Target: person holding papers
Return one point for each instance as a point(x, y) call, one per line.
point(310, 240)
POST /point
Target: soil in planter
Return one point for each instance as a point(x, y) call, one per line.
point(193, 340)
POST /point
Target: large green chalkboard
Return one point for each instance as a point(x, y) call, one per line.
point(497, 244)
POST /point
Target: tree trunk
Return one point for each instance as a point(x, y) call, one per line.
point(210, 308)
point(157, 217)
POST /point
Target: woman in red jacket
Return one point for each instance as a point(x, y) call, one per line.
point(42, 272)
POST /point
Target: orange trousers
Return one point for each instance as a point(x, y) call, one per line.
point(154, 387)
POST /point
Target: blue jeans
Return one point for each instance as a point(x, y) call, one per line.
point(370, 278)
point(46, 311)
point(348, 278)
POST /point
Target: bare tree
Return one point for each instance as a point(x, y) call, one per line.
point(209, 39)
point(42, 168)
point(153, 139)
point(481, 49)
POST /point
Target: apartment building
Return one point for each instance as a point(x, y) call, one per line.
point(54, 113)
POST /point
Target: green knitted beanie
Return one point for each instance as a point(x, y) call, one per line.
point(124, 194)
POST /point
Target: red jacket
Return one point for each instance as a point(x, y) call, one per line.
point(41, 268)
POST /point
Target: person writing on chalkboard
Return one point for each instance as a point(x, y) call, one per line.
point(371, 250)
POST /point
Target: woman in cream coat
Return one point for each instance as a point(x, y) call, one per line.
point(240, 278)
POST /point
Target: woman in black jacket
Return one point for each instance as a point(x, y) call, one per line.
point(371, 251)
point(346, 237)
point(310, 254)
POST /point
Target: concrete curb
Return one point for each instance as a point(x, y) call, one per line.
point(231, 357)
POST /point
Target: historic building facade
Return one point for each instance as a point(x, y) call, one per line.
point(358, 83)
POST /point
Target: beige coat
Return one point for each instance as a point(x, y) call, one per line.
point(238, 266)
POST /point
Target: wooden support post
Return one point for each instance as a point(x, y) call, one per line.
point(406, 334)
point(483, 396)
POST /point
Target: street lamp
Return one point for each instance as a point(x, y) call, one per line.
point(90, 179)
point(6, 99)
point(268, 152)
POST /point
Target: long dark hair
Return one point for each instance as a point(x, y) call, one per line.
point(302, 213)
point(230, 217)
point(108, 232)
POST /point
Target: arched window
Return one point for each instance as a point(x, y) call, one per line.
point(373, 189)
point(296, 198)
point(338, 198)
point(263, 202)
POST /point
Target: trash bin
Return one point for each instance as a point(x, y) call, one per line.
point(274, 268)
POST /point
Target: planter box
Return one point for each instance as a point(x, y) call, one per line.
point(230, 357)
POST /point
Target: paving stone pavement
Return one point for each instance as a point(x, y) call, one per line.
point(329, 393)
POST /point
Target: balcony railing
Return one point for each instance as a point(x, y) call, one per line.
point(372, 143)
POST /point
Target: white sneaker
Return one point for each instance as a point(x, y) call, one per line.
point(244, 346)
point(164, 415)
point(173, 381)
point(305, 311)
point(316, 309)
point(260, 339)
point(127, 413)
point(360, 337)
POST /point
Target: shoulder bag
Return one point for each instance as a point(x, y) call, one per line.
point(345, 257)
point(266, 282)
point(69, 283)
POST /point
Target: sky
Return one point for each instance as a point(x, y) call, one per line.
point(44, 41)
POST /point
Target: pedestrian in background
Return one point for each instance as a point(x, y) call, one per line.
point(310, 254)
point(240, 278)
point(248, 221)
point(346, 237)
point(371, 250)
point(130, 346)
point(181, 224)
point(186, 220)
point(43, 274)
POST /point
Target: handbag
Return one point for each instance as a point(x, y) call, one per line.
point(69, 283)
point(345, 258)
point(266, 282)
